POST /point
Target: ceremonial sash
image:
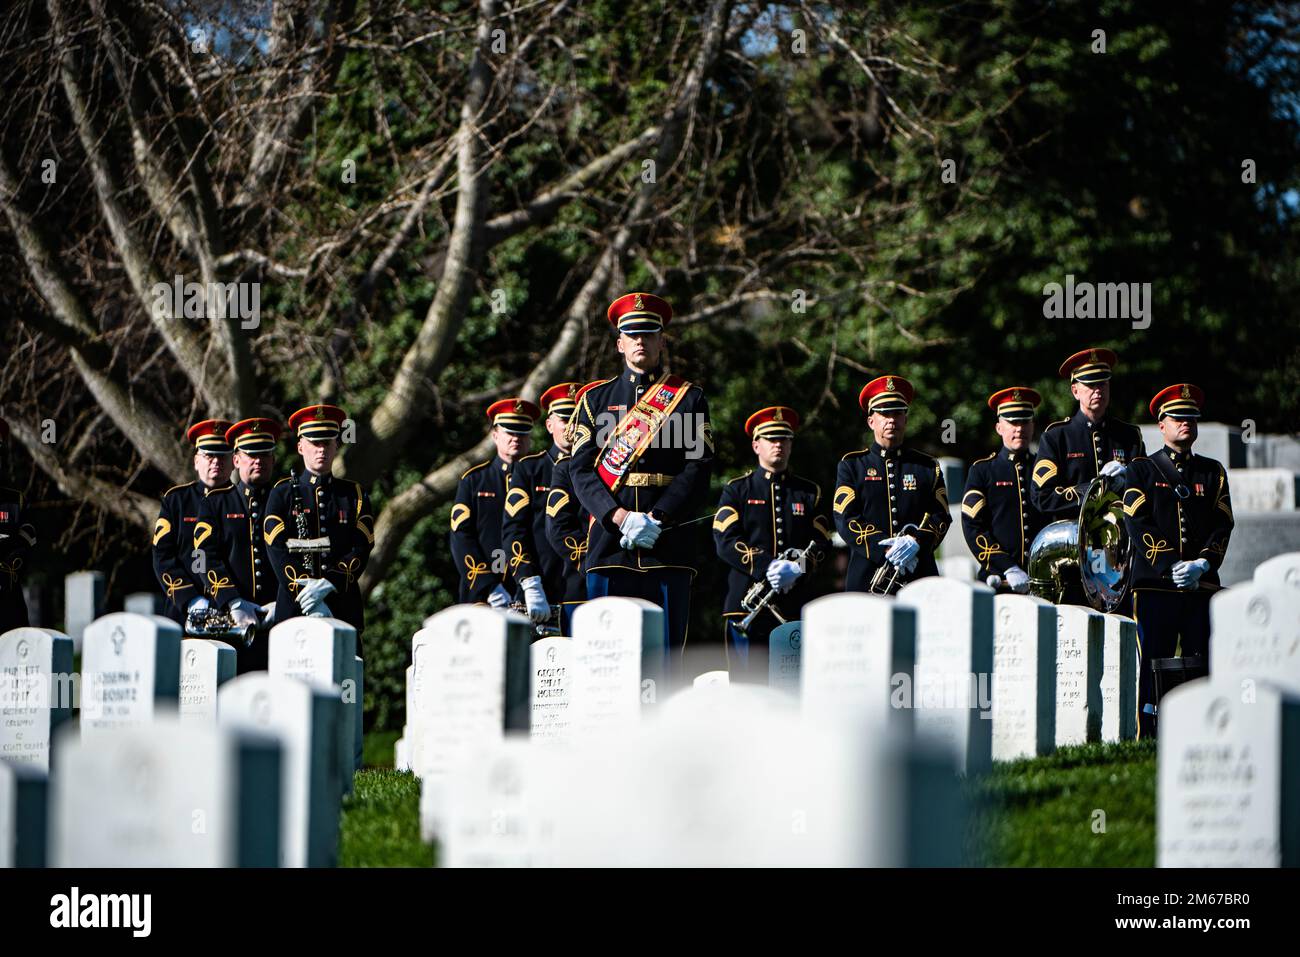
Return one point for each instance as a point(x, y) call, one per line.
point(633, 435)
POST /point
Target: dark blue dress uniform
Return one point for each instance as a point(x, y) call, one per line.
point(1178, 509)
point(998, 520)
point(17, 538)
point(523, 523)
point(759, 516)
point(878, 491)
point(173, 548)
point(173, 532)
point(566, 530)
point(669, 481)
point(476, 531)
point(229, 533)
point(335, 508)
point(1072, 452)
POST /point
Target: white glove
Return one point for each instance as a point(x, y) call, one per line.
point(902, 552)
point(312, 594)
point(640, 530)
point(535, 597)
point(1017, 580)
point(782, 574)
point(197, 604)
point(1115, 472)
point(243, 612)
point(1187, 574)
point(499, 597)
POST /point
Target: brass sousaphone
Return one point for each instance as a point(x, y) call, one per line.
point(1088, 560)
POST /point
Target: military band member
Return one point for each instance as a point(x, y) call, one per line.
point(1076, 450)
point(642, 457)
point(173, 532)
point(540, 569)
point(487, 573)
point(17, 538)
point(890, 505)
point(759, 516)
point(238, 576)
point(566, 525)
point(326, 582)
point(998, 520)
point(1179, 516)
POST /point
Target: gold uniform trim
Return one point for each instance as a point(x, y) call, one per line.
point(844, 495)
point(459, 513)
point(365, 525)
point(1043, 471)
point(822, 525)
point(556, 499)
point(160, 530)
point(516, 499)
point(202, 531)
point(975, 506)
point(1133, 500)
point(273, 527)
point(722, 520)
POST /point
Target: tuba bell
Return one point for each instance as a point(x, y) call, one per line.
point(1088, 560)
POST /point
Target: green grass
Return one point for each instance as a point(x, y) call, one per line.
point(1034, 813)
point(1043, 812)
point(381, 822)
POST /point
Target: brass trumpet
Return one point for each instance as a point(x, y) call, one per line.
point(761, 594)
point(889, 578)
point(216, 623)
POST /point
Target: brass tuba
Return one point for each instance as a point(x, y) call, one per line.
point(1088, 560)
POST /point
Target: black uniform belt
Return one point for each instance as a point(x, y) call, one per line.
point(648, 480)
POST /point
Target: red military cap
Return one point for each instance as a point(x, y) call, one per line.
point(572, 425)
point(1015, 404)
point(774, 422)
point(514, 415)
point(639, 312)
point(255, 435)
point(318, 422)
point(210, 436)
point(1089, 366)
point(887, 393)
point(1182, 401)
point(561, 399)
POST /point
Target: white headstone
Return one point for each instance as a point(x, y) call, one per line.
point(304, 717)
point(165, 794)
point(401, 757)
point(855, 647)
point(37, 688)
point(143, 603)
point(617, 663)
point(321, 651)
point(1119, 679)
point(551, 671)
point(83, 602)
point(23, 796)
point(1024, 677)
point(1255, 636)
point(354, 711)
point(1225, 768)
point(206, 664)
point(960, 567)
point(1262, 490)
point(1282, 571)
point(470, 685)
point(1080, 639)
point(953, 681)
point(491, 821)
point(130, 669)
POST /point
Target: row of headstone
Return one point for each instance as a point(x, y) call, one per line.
point(476, 674)
point(721, 775)
point(1229, 745)
point(993, 677)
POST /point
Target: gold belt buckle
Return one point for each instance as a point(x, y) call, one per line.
point(648, 479)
